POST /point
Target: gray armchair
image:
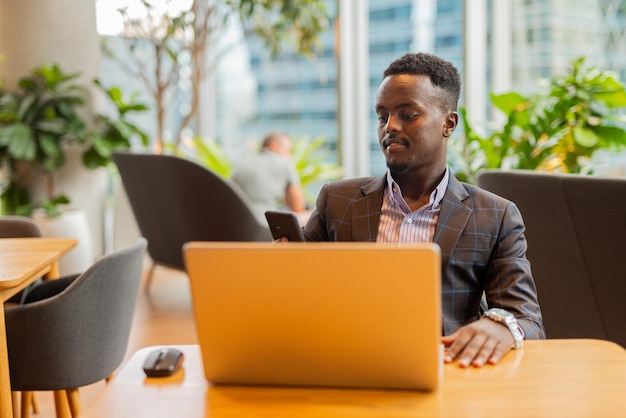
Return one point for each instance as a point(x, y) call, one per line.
point(77, 336)
point(575, 229)
point(19, 227)
point(176, 200)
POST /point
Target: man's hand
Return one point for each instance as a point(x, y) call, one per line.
point(482, 341)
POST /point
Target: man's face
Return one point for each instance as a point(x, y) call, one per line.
point(413, 129)
point(281, 146)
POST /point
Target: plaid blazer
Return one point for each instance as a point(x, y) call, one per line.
point(481, 236)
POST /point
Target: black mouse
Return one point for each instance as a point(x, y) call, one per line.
point(163, 362)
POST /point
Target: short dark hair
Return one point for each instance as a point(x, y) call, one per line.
point(442, 73)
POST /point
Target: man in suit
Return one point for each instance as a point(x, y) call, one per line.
point(481, 235)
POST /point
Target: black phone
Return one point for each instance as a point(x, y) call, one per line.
point(163, 362)
point(284, 224)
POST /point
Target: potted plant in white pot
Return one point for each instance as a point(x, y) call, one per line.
point(38, 122)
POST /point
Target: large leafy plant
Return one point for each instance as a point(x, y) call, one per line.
point(312, 164)
point(558, 129)
point(206, 152)
point(115, 132)
point(40, 118)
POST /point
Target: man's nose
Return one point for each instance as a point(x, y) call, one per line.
point(391, 125)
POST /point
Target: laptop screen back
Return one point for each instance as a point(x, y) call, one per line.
point(318, 314)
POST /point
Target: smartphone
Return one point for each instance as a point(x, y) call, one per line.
point(284, 224)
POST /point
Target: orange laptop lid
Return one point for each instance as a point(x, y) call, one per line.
point(318, 314)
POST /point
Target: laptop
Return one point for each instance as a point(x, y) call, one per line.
point(357, 315)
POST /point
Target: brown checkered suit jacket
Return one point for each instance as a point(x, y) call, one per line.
point(481, 236)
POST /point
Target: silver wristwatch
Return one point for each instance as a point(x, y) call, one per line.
point(507, 318)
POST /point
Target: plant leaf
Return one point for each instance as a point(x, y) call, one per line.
point(20, 141)
point(584, 137)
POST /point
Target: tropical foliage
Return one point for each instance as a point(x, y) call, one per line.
point(206, 152)
point(558, 129)
point(113, 132)
point(313, 165)
point(42, 116)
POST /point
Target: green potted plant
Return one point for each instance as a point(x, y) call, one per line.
point(111, 134)
point(313, 166)
point(43, 116)
point(556, 130)
point(35, 121)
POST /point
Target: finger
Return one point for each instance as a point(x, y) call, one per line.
point(447, 340)
point(486, 353)
point(453, 343)
point(459, 342)
point(471, 350)
point(499, 352)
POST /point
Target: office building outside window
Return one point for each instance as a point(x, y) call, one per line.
point(255, 94)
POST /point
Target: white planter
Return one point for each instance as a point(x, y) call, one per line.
point(70, 224)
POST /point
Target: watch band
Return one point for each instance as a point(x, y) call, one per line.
point(508, 319)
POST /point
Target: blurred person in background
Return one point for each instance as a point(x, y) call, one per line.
point(269, 178)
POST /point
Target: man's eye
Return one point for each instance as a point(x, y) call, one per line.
point(409, 116)
point(382, 118)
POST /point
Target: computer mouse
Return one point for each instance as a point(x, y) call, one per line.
point(163, 362)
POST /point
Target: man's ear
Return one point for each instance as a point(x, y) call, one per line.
point(452, 121)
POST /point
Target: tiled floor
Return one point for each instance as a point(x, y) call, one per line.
point(163, 316)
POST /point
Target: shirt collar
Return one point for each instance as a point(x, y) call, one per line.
point(435, 197)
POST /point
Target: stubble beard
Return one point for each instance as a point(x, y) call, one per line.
point(400, 167)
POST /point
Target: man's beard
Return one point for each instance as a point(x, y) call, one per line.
point(399, 167)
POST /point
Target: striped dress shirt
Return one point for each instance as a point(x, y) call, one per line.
point(399, 224)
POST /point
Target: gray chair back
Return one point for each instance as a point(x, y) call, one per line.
point(574, 227)
point(18, 227)
point(176, 200)
point(80, 335)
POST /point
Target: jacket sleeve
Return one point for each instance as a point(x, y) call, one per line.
point(508, 281)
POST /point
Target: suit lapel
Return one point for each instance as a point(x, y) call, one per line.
point(453, 217)
point(366, 211)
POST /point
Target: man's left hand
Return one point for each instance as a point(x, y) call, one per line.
point(477, 343)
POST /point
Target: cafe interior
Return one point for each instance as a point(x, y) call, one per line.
point(120, 307)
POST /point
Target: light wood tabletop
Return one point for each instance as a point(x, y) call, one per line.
point(22, 261)
point(550, 378)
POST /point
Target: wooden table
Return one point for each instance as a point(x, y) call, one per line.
point(22, 261)
point(551, 378)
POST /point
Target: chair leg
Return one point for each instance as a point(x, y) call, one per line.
point(73, 398)
point(35, 403)
point(16, 404)
point(149, 277)
point(61, 404)
point(27, 400)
